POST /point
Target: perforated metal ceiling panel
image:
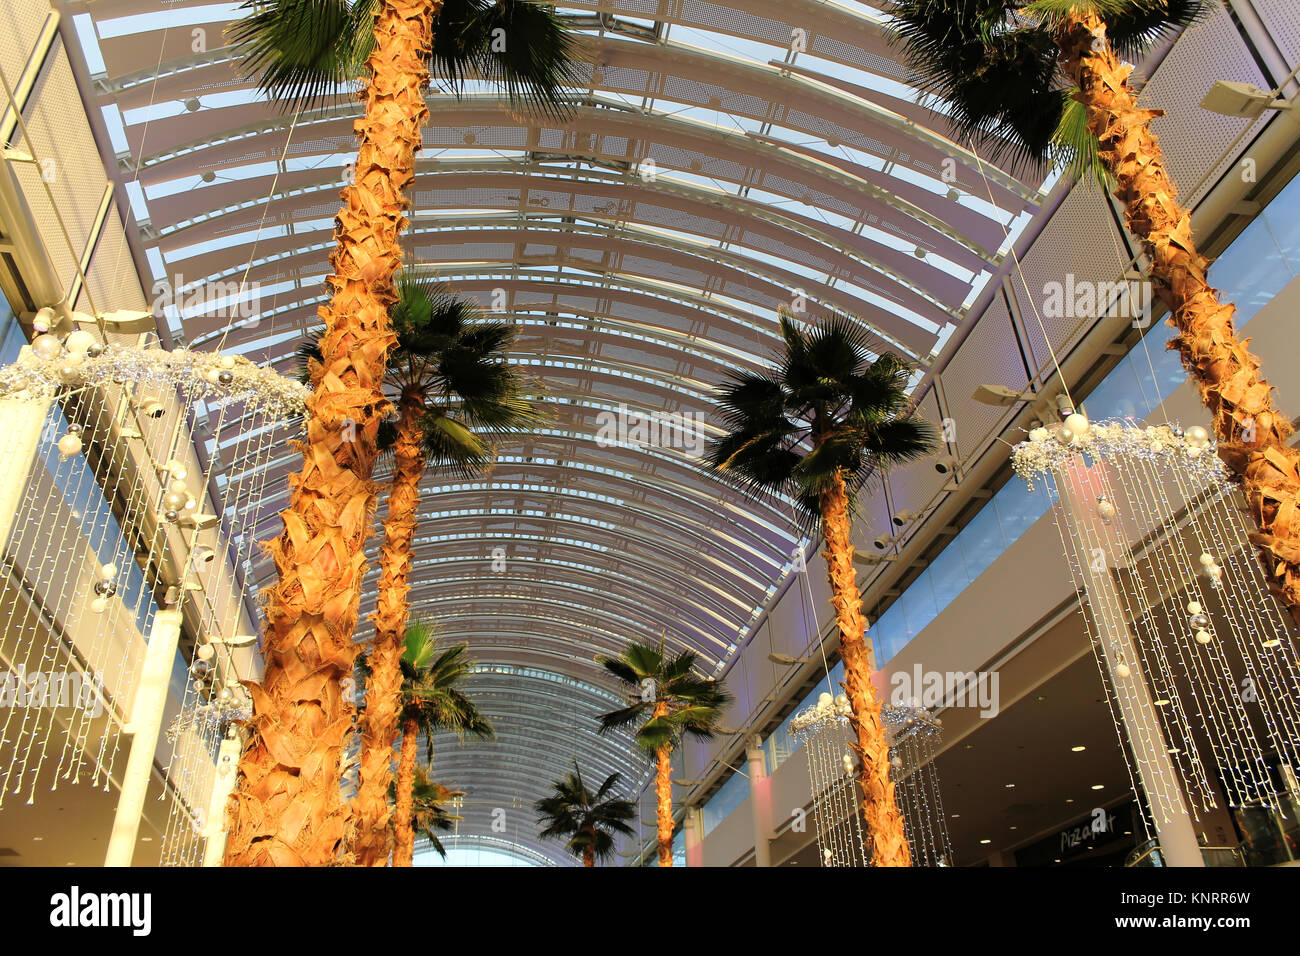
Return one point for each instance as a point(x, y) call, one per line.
point(1282, 18)
point(1194, 139)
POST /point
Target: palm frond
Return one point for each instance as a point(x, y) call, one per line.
point(831, 411)
point(525, 49)
point(621, 669)
point(616, 719)
point(307, 53)
point(299, 50)
point(584, 819)
point(1074, 148)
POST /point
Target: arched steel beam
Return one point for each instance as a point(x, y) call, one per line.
point(612, 117)
point(524, 174)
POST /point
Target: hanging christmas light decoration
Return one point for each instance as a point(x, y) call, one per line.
point(913, 735)
point(207, 728)
point(1197, 658)
point(56, 364)
point(108, 514)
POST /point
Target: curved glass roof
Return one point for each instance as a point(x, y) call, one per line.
point(722, 162)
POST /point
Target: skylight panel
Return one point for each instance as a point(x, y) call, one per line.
point(116, 128)
point(752, 51)
point(157, 20)
point(84, 24)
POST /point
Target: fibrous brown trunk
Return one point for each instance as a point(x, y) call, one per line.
point(880, 814)
point(664, 795)
point(589, 852)
point(378, 722)
point(403, 830)
point(1252, 434)
point(287, 809)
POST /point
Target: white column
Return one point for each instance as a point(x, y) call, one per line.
point(145, 723)
point(693, 836)
point(21, 423)
point(1137, 712)
point(760, 801)
point(223, 782)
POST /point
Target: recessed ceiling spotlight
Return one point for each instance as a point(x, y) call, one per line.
point(983, 842)
point(1078, 749)
point(1011, 786)
point(1098, 786)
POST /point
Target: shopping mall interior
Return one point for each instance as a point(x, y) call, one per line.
point(649, 433)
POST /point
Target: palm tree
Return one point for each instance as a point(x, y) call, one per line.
point(429, 813)
point(432, 702)
point(287, 808)
point(669, 702)
point(588, 820)
point(1044, 79)
point(826, 420)
point(455, 393)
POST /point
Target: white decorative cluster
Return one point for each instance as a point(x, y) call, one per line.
point(1053, 446)
point(900, 721)
point(908, 721)
point(828, 709)
point(212, 719)
point(79, 360)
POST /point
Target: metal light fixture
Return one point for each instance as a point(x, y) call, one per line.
point(904, 518)
point(997, 395)
point(1233, 98)
point(786, 660)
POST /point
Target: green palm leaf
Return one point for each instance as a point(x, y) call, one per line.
point(308, 53)
point(833, 407)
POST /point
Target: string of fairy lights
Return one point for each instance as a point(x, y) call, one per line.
point(212, 705)
point(913, 735)
point(116, 519)
point(1197, 659)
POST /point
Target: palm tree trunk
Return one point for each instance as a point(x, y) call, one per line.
point(664, 795)
point(880, 813)
point(378, 723)
point(403, 831)
point(288, 809)
point(1251, 432)
point(589, 852)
